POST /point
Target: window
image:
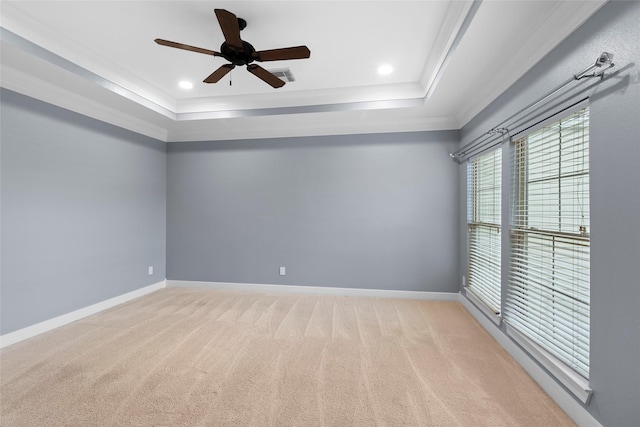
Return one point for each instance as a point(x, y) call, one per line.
point(483, 215)
point(548, 292)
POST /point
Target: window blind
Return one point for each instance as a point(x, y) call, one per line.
point(549, 281)
point(484, 218)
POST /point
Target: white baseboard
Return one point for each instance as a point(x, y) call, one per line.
point(315, 290)
point(563, 398)
point(56, 322)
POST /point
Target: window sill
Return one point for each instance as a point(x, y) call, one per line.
point(576, 384)
point(480, 305)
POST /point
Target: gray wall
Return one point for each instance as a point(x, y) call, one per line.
point(615, 197)
point(83, 208)
point(362, 211)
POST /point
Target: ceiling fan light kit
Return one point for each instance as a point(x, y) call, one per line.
point(239, 52)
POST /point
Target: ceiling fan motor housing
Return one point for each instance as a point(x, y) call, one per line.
point(238, 57)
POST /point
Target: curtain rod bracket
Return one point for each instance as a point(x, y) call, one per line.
point(457, 157)
point(496, 131)
point(604, 60)
point(487, 140)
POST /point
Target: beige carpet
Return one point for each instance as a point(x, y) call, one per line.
point(188, 357)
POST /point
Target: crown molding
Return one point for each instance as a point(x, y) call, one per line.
point(31, 35)
point(458, 18)
point(564, 19)
point(310, 124)
point(52, 93)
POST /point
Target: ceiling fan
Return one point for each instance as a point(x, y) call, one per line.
point(240, 52)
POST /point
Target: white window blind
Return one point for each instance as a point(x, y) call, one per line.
point(548, 292)
point(483, 216)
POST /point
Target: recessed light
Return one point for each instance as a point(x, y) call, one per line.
point(185, 84)
point(385, 69)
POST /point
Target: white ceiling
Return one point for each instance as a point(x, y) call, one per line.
point(450, 60)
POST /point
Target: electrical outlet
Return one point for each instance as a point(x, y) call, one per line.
point(283, 271)
point(464, 281)
point(150, 270)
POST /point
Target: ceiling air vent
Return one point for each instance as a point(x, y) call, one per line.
point(284, 74)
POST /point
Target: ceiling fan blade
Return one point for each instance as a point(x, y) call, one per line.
point(187, 47)
point(219, 73)
point(265, 76)
point(230, 28)
point(296, 52)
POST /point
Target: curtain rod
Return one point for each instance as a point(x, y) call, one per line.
point(604, 62)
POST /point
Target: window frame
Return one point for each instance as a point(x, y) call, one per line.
point(483, 282)
point(519, 232)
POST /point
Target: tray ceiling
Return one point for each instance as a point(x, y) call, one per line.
point(450, 59)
